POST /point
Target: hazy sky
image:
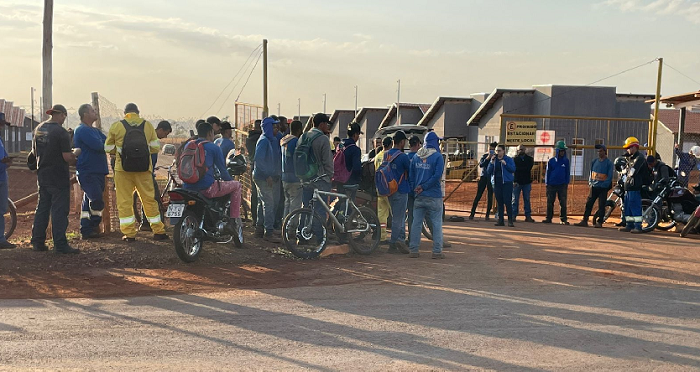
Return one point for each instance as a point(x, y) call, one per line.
point(174, 57)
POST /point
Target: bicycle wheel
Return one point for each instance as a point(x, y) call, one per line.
point(298, 233)
point(10, 219)
point(363, 242)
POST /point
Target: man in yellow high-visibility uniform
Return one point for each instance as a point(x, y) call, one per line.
point(126, 180)
point(383, 206)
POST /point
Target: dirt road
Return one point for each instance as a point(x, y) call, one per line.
point(537, 297)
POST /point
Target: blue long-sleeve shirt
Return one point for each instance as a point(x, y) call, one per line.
point(213, 157)
point(91, 142)
point(226, 145)
point(353, 161)
point(499, 172)
point(288, 173)
point(3, 166)
point(400, 167)
point(426, 171)
point(558, 170)
point(601, 173)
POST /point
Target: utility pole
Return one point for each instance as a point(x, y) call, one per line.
point(398, 103)
point(355, 100)
point(299, 107)
point(33, 108)
point(265, 108)
point(47, 57)
point(279, 106)
point(324, 103)
point(652, 137)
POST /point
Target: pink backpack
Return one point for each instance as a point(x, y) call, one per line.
point(341, 173)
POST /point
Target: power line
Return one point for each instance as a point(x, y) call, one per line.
point(674, 69)
point(239, 81)
point(589, 84)
point(234, 78)
point(251, 73)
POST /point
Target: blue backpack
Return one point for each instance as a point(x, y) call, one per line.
point(384, 179)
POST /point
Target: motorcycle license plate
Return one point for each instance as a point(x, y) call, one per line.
point(175, 210)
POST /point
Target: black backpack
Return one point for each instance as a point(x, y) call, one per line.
point(367, 181)
point(136, 153)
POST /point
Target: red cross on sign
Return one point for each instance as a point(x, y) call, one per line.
point(544, 137)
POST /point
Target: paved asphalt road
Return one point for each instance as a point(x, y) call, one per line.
point(390, 325)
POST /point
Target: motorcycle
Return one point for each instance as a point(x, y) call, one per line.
point(198, 219)
point(674, 204)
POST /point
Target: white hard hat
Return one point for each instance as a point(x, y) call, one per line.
point(695, 150)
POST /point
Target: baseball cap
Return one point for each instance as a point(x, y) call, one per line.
point(321, 118)
point(131, 107)
point(57, 108)
point(354, 128)
point(399, 136)
point(225, 125)
point(601, 147)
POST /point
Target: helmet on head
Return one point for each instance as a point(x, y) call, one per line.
point(561, 145)
point(695, 151)
point(620, 163)
point(631, 141)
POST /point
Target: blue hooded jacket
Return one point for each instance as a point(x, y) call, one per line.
point(558, 170)
point(507, 171)
point(91, 141)
point(268, 154)
point(427, 167)
point(353, 161)
point(289, 144)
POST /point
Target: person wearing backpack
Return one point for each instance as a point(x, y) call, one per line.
point(347, 164)
point(290, 181)
point(132, 141)
point(198, 174)
point(267, 176)
point(383, 206)
point(313, 158)
point(399, 164)
point(424, 177)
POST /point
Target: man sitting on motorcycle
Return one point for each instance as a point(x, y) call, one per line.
point(659, 170)
point(209, 185)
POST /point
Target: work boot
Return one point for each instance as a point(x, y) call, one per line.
point(259, 232)
point(272, 238)
point(487, 218)
point(438, 256)
point(7, 245)
point(598, 225)
point(510, 224)
point(66, 250)
point(471, 216)
point(40, 247)
point(413, 255)
point(583, 223)
point(401, 247)
point(529, 219)
point(145, 226)
point(547, 221)
point(564, 223)
point(392, 249)
point(92, 235)
point(446, 244)
point(160, 237)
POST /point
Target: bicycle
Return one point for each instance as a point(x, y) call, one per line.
point(10, 219)
point(164, 199)
point(359, 225)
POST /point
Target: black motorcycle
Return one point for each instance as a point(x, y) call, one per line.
point(198, 219)
point(674, 204)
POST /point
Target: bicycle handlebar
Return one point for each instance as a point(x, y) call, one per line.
point(314, 179)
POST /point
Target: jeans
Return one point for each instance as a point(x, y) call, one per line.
point(633, 209)
point(318, 208)
point(93, 186)
point(279, 212)
point(253, 199)
point(484, 184)
point(55, 202)
point(504, 201)
point(526, 200)
point(269, 197)
point(600, 194)
point(411, 202)
point(432, 209)
point(144, 219)
point(3, 208)
point(554, 191)
point(398, 202)
point(292, 197)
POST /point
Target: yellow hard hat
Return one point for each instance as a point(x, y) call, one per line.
point(631, 141)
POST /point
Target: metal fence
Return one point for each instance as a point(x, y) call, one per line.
point(246, 114)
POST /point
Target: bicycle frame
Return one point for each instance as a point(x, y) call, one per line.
point(317, 198)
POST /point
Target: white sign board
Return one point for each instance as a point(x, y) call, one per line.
point(543, 154)
point(544, 138)
point(29, 136)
